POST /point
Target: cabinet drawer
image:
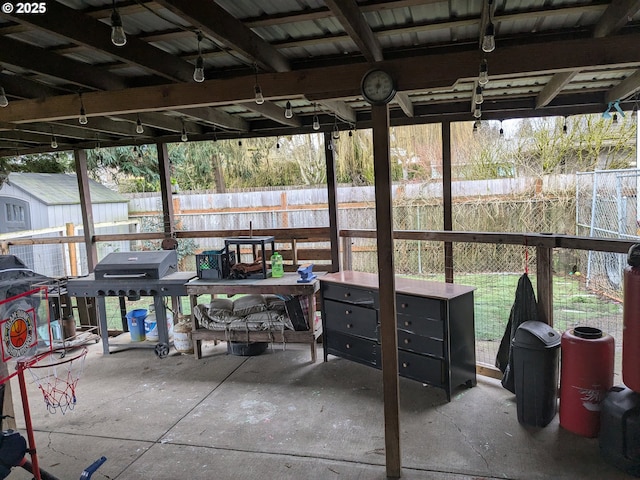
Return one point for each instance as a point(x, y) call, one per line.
point(419, 344)
point(421, 325)
point(421, 368)
point(356, 349)
point(351, 319)
point(427, 308)
point(346, 293)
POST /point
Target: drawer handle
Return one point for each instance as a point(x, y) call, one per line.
point(407, 323)
point(348, 345)
point(347, 295)
point(405, 364)
point(348, 312)
point(405, 305)
point(349, 325)
point(407, 341)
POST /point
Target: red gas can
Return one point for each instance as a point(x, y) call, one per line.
point(631, 332)
point(585, 377)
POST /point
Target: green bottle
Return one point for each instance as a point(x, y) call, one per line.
point(277, 269)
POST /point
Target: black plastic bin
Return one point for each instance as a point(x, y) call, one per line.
point(536, 355)
point(619, 437)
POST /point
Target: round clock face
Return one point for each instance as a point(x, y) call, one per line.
point(377, 87)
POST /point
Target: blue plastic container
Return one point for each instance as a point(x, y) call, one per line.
point(135, 320)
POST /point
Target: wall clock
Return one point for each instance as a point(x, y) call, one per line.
point(377, 87)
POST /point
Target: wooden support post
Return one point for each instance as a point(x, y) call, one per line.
point(164, 167)
point(544, 284)
point(387, 290)
point(87, 210)
point(447, 199)
point(329, 153)
point(347, 253)
point(73, 256)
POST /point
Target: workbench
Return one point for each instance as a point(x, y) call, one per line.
point(286, 285)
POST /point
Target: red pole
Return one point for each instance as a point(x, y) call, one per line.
point(27, 421)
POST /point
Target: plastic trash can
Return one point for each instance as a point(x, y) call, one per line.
point(536, 355)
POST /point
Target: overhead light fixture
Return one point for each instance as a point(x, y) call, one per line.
point(278, 145)
point(565, 128)
point(476, 126)
point(239, 143)
point(118, 37)
point(335, 134)
point(54, 142)
point(489, 39)
point(477, 112)
point(351, 133)
point(184, 137)
point(4, 101)
point(316, 121)
point(288, 112)
point(198, 73)
point(614, 120)
point(82, 118)
point(483, 76)
point(139, 126)
point(501, 129)
point(477, 97)
point(257, 90)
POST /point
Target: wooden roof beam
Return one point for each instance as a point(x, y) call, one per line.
point(212, 115)
point(36, 59)
point(273, 112)
point(341, 109)
point(403, 100)
point(554, 87)
point(216, 22)
point(354, 23)
point(616, 16)
point(627, 87)
point(79, 28)
point(339, 82)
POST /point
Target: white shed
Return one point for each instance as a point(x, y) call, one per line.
point(43, 204)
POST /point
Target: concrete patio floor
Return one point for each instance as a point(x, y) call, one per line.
point(278, 416)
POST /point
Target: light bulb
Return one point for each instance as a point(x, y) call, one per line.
point(139, 127)
point(3, 98)
point(489, 40)
point(118, 37)
point(336, 133)
point(615, 119)
point(501, 132)
point(184, 137)
point(278, 145)
point(476, 126)
point(54, 142)
point(477, 113)
point(83, 117)
point(259, 97)
point(478, 98)
point(198, 73)
point(288, 113)
point(483, 76)
point(316, 123)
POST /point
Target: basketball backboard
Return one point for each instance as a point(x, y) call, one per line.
point(25, 327)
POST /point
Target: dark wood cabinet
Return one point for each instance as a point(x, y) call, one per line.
point(436, 337)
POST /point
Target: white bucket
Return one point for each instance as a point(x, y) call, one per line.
point(151, 325)
point(182, 338)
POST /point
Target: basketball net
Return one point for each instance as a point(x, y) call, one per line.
point(57, 377)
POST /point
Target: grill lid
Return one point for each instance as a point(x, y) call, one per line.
point(140, 265)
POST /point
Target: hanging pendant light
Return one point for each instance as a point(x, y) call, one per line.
point(139, 126)
point(118, 36)
point(198, 73)
point(82, 118)
point(257, 90)
point(4, 101)
point(288, 112)
point(483, 75)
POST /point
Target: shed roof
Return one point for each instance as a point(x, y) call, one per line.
point(552, 57)
point(61, 189)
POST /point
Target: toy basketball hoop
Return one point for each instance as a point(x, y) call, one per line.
point(57, 377)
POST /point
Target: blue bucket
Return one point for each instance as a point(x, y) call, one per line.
point(135, 320)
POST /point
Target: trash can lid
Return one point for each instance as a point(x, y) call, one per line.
point(536, 335)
